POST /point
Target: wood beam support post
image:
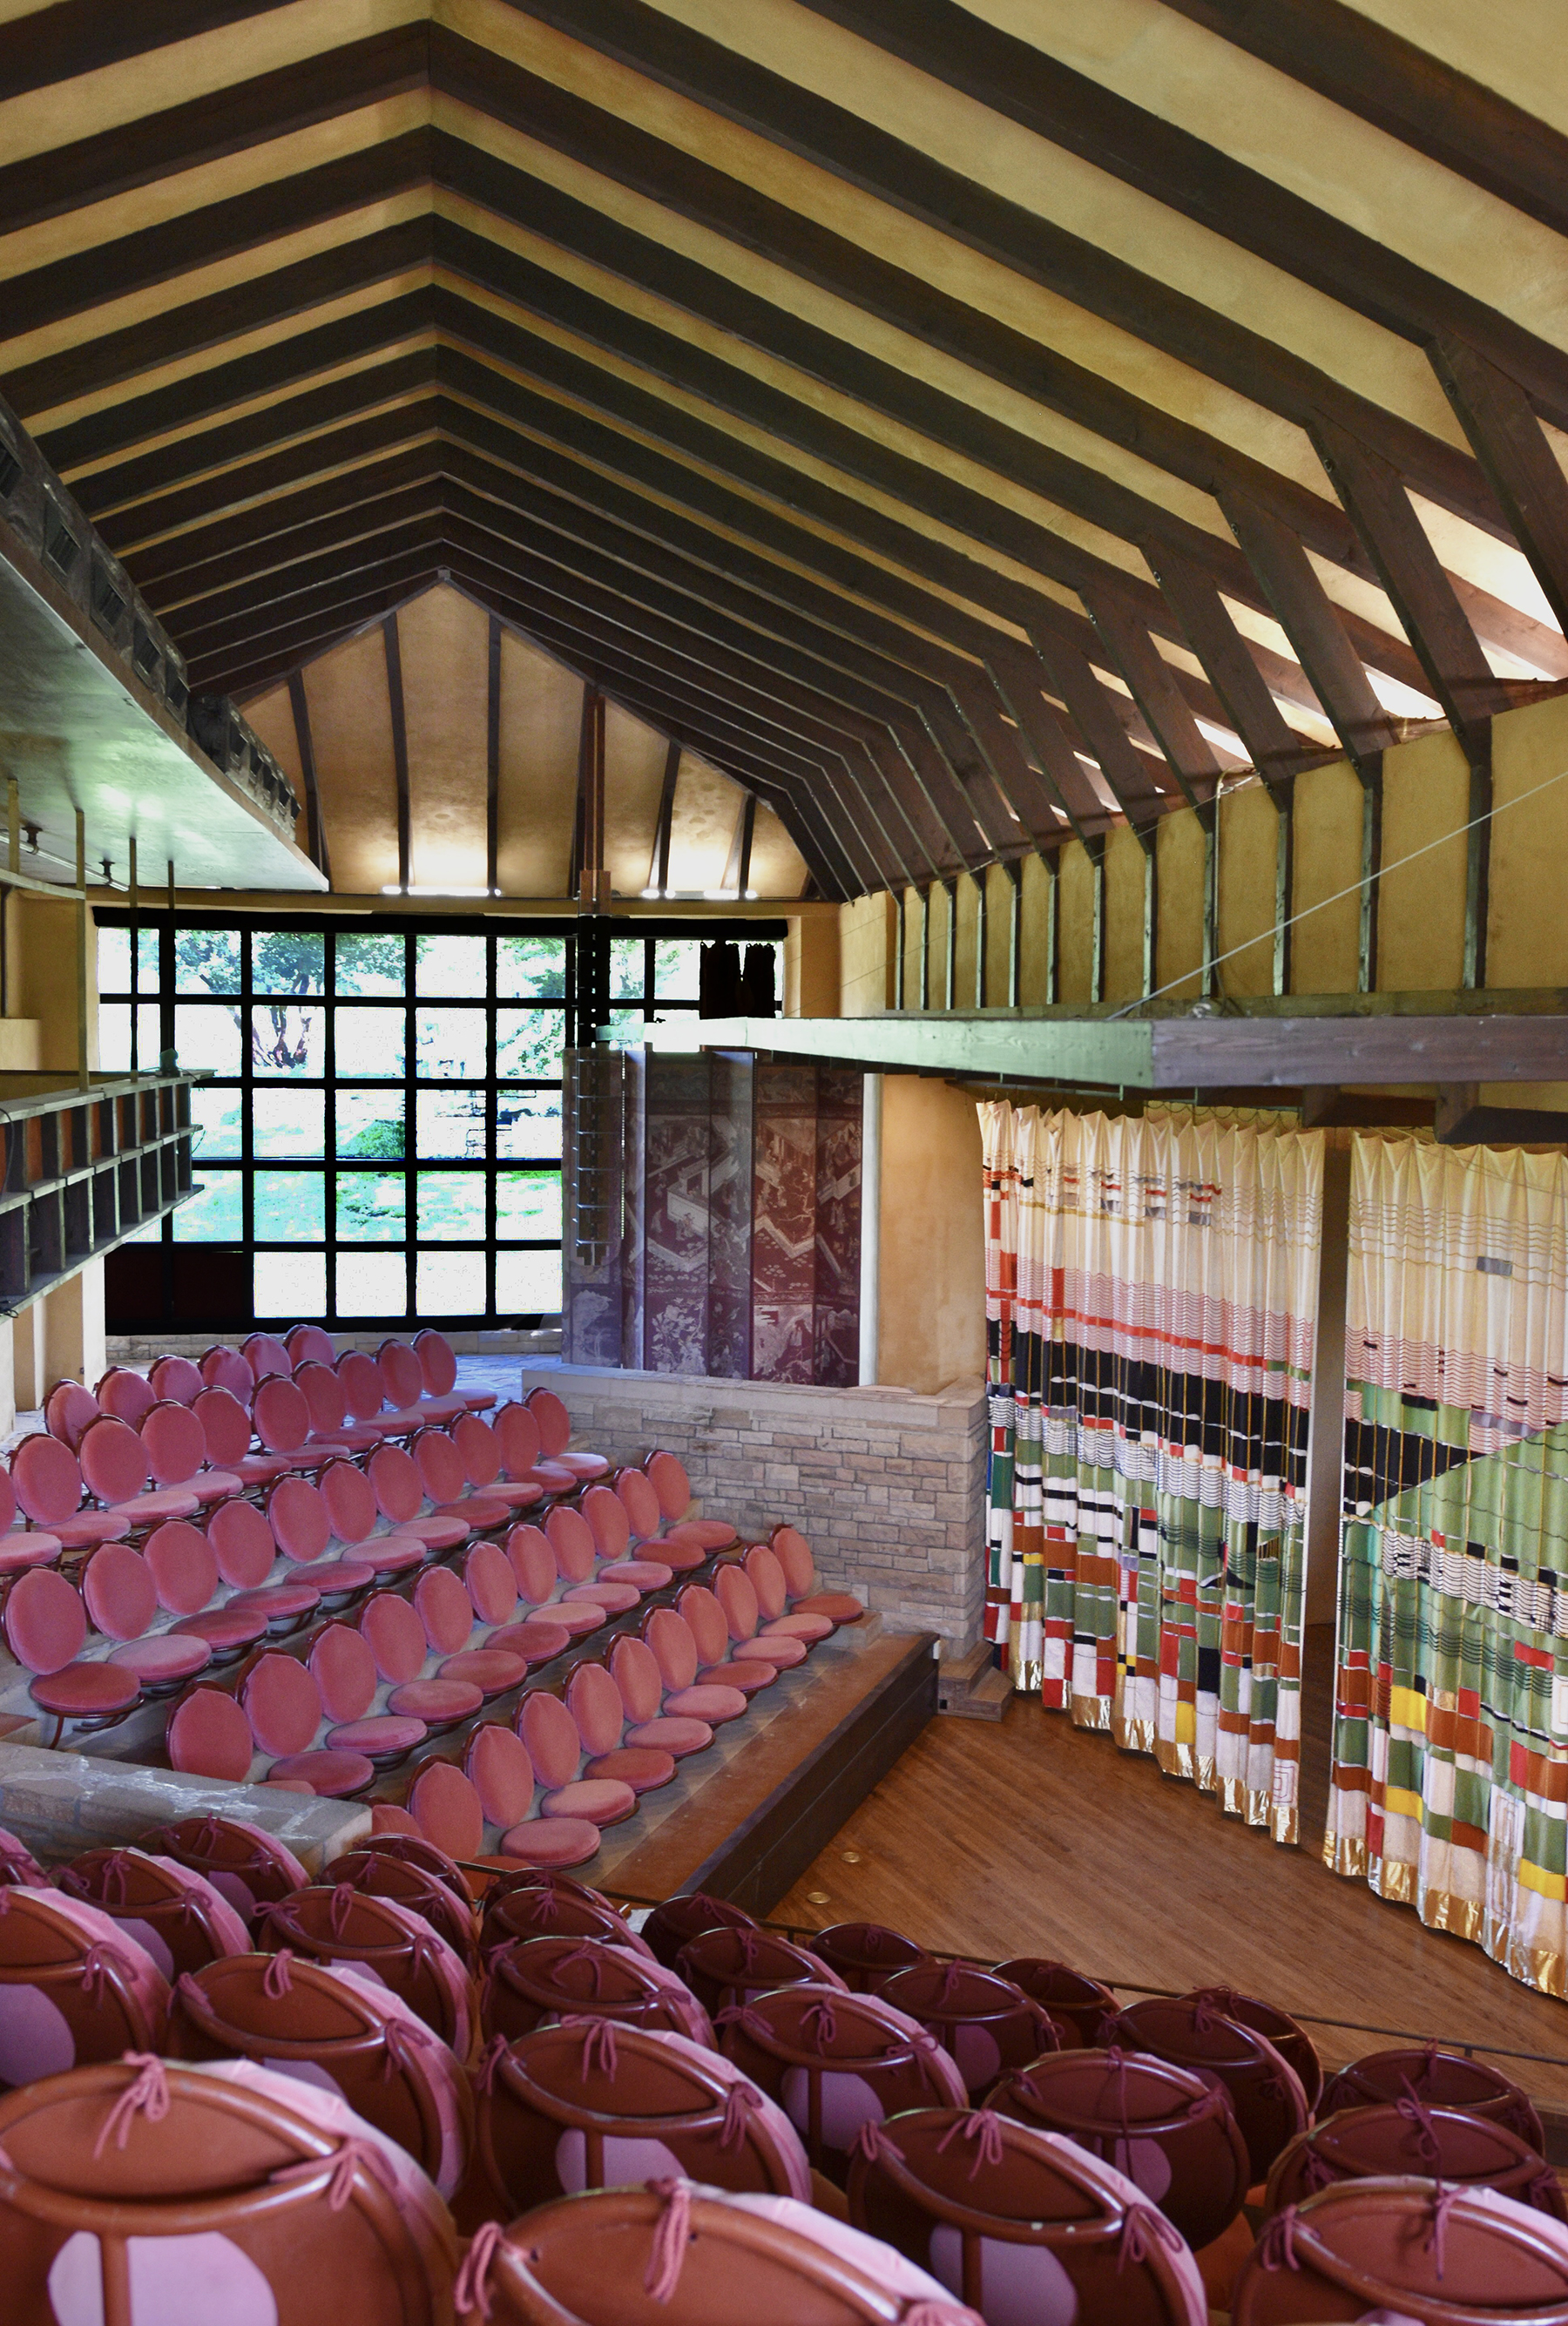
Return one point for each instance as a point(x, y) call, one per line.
point(981, 901)
point(950, 965)
point(659, 869)
point(493, 762)
point(1015, 873)
point(399, 749)
point(86, 985)
point(315, 830)
point(1283, 880)
point(1053, 898)
point(1096, 848)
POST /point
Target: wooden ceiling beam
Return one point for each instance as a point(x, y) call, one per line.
point(1103, 736)
point(1273, 746)
point(1498, 416)
point(54, 44)
point(1188, 753)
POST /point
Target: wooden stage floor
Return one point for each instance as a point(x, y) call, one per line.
point(1031, 1837)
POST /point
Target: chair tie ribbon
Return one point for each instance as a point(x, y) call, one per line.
point(984, 2127)
point(147, 2094)
point(672, 2235)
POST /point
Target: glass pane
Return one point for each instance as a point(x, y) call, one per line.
point(528, 1125)
point(450, 1122)
point(290, 1283)
point(369, 1125)
point(370, 1207)
point(449, 1044)
point(625, 968)
point(289, 1208)
point(527, 1283)
point(452, 1204)
point(282, 962)
point(207, 1037)
point(114, 961)
point(369, 1042)
point(531, 968)
point(214, 1124)
point(454, 965)
point(372, 1283)
point(115, 1037)
point(368, 964)
point(450, 1284)
point(528, 1203)
point(214, 1215)
point(675, 965)
point(289, 1122)
point(148, 974)
point(206, 961)
point(528, 1044)
point(285, 1039)
point(625, 1028)
point(149, 1037)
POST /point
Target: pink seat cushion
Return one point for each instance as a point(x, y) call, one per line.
point(583, 1467)
point(749, 1674)
point(266, 1353)
point(684, 1558)
point(640, 1503)
point(576, 1616)
point(119, 1592)
point(768, 1580)
point(478, 1447)
point(491, 1669)
point(161, 1658)
point(212, 1486)
point(183, 1567)
point(643, 1574)
point(490, 1583)
point(225, 1630)
point(570, 1538)
point(283, 1704)
point(708, 1534)
point(497, 1765)
point(93, 1527)
point(28, 1548)
point(809, 1628)
point(113, 1460)
point(392, 1554)
point(350, 1501)
point(669, 1637)
point(162, 1503)
point(667, 1476)
point(551, 1479)
point(396, 1636)
point(225, 1368)
point(362, 1383)
point(537, 1640)
point(552, 1841)
point(533, 1562)
point(484, 1513)
point(259, 1469)
point(550, 1733)
point(440, 1465)
point(445, 1610)
point(209, 1736)
point(437, 1362)
point(401, 1372)
point(518, 1434)
point(712, 1704)
point(45, 1621)
point(441, 1702)
point(278, 1601)
point(394, 1478)
point(86, 1691)
point(126, 1394)
point(445, 1806)
point(639, 1679)
point(553, 1419)
point(344, 1669)
point(672, 1732)
point(838, 1606)
point(437, 1534)
point(383, 1737)
point(606, 1514)
point(339, 1578)
point(322, 1391)
point(280, 1415)
point(594, 1702)
point(600, 1800)
point(794, 1554)
point(309, 1345)
point(733, 1590)
point(639, 1766)
point(616, 1599)
point(771, 1648)
point(175, 1441)
point(331, 1772)
point(709, 1628)
point(518, 1494)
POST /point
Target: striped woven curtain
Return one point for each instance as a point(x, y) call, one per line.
point(1450, 1780)
point(1151, 1301)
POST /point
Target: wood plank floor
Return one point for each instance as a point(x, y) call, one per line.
point(1031, 1837)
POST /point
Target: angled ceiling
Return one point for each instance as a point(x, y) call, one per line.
point(959, 425)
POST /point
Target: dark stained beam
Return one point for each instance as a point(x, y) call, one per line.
point(81, 36)
point(659, 864)
point(493, 760)
point(1498, 416)
point(1273, 746)
point(1188, 752)
point(399, 747)
point(315, 829)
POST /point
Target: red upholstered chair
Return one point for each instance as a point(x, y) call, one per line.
point(335, 1924)
point(793, 1553)
point(74, 1986)
point(704, 2257)
point(556, 1910)
point(595, 1701)
point(1405, 2137)
point(1078, 2005)
point(558, 1736)
point(333, 2028)
point(588, 2104)
point(1021, 2224)
point(310, 1343)
point(531, 1980)
point(1437, 2079)
point(734, 1590)
point(19, 1869)
point(244, 1863)
point(265, 1355)
point(381, 1872)
point(1165, 2127)
point(671, 1926)
point(837, 2062)
point(68, 1410)
point(864, 1955)
point(145, 2191)
point(46, 1480)
point(1288, 2037)
point(1416, 2249)
point(663, 1663)
point(988, 2025)
point(1265, 2089)
point(175, 1914)
point(726, 1966)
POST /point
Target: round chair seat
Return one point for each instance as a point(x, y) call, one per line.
point(809, 1628)
point(775, 1648)
point(1437, 2079)
point(749, 1674)
point(838, 1606)
point(713, 1705)
point(333, 1774)
point(89, 1691)
point(677, 1734)
point(535, 1639)
point(1265, 2090)
point(1442, 2144)
point(864, 1955)
point(1078, 2005)
point(552, 1841)
point(989, 2025)
point(602, 1801)
point(614, 1599)
point(640, 1767)
point(439, 1703)
point(383, 1738)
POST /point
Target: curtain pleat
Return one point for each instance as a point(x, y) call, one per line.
point(1450, 1779)
point(1151, 1298)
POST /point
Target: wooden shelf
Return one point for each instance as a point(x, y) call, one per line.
point(84, 1169)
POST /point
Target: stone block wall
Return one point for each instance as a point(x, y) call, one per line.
point(888, 1487)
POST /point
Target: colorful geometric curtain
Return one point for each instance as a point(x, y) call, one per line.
point(1450, 1782)
point(1150, 1291)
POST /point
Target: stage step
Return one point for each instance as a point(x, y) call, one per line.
point(971, 1686)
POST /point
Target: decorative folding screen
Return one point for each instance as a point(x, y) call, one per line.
point(1151, 1300)
point(1450, 1783)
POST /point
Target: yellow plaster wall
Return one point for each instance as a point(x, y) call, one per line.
point(1124, 915)
point(998, 938)
point(965, 992)
point(1075, 925)
point(932, 1304)
point(1421, 905)
point(867, 936)
point(811, 966)
point(1248, 854)
point(1527, 926)
point(40, 978)
point(913, 916)
point(936, 972)
point(1328, 858)
point(1179, 926)
point(1035, 936)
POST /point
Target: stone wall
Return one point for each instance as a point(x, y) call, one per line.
point(888, 1487)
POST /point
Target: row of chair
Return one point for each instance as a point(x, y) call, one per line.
point(643, 2098)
